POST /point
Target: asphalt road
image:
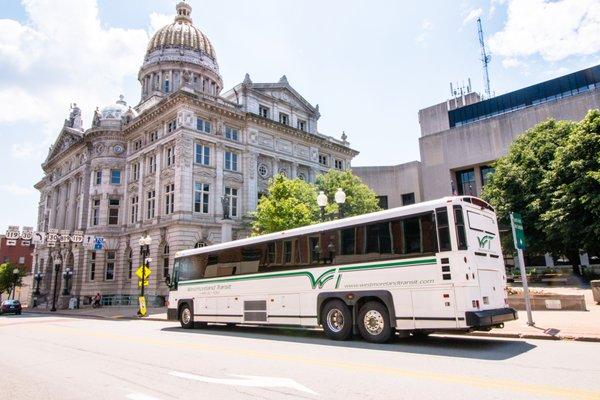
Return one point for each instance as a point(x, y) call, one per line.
point(44, 357)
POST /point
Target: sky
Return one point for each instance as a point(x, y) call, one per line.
point(369, 65)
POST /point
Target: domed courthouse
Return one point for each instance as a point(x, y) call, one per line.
point(167, 168)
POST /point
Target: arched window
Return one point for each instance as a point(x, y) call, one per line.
point(165, 256)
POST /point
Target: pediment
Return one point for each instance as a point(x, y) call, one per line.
point(287, 94)
point(66, 139)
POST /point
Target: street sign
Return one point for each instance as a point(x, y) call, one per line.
point(142, 311)
point(518, 232)
point(98, 243)
point(25, 243)
point(27, 233)
point(11, 242)
point(12, 233)
point(140, 283)
point(146, 272)
point(38, 237)
point(64, 236)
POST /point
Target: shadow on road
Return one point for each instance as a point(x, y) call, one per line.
point(447, 346)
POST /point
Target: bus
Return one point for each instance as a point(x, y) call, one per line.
point(413, 270)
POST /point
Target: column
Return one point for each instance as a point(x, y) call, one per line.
point(53, 205)
point(73, 191)
point(141, 204)
point(157, 184)
point(294, 170)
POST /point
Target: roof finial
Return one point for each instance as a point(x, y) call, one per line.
point(283, 80)
point(184, 12)
point(247, 80)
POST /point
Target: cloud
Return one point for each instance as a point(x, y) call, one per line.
point(511, 63)
point(426, 28)
point(19, 191)
point(473, 15)
point(158, 20)
point(553, 30)
point(63, 54)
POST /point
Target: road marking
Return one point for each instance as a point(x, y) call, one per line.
point(466, 380)
point(248, 381)
point(140, 396)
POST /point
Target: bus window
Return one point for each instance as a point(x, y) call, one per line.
point(192, 267)
point(360, 240)
point(348, 241)
point(460, 228)
point(397, 239)
point(412, 235)
point(428, 234)
point(379, 239)
point(287, 252)
point(443, 229)
point(271, 253)
point(315, 249)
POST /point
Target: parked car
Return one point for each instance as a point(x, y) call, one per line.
point(11, 306)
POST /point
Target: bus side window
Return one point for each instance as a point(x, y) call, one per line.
point(428, 233)
point(443, 229)
point(412, 235)
point(314, 249)
point(397, 240)
point(460, 228)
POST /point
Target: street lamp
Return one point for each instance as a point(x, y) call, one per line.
point(16, 278)
point(38, 278)
point(145, 242)
point(56, 269)
point(67, 275)
point(322, 202)
point(340, 199)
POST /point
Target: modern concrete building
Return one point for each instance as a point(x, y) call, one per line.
point(463, 136)
point(170, 166)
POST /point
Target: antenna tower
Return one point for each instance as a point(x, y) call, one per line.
point(485, 60)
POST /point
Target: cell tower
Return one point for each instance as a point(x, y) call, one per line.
point(485, 60)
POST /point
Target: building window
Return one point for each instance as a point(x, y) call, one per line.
point(338, 164)
point(232, 196)
point(263, 170)
point(323, 159)
point(203, 125)
point(231, 161)
point(95, 212)
point(134, 209)
point(201, 197)
point(113, 211)
point(202, 154)
point(135, 171)
point(263, 111)
point(486, 172)
point(408, 198)
point(150, 204)
point(137, 144)
point(171, 126)
point(115, 176)
point(284, 118)
point(466, 182)
point(110, 265)
point(92, 265)
point(152, 164)
point(301, 176)
point(383, 202)
point(232, 134)
point(170, 156)
point(169, 198)
point(153, 136)
point(129, 264)
point(166, 261)
point(99, 177)
point(301, 125)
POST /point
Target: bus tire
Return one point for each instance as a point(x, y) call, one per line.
point(374, 322)
point(186, 317)
point(336, 319)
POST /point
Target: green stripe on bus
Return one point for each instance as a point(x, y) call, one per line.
point(323, 278)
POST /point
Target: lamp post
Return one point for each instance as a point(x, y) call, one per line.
point(38, 278)
point(67, 275)
point(340, 199)
point(16, 278)
point(56, 269)
point(145, 242)
point(322, 202)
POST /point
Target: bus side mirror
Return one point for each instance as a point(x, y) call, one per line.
point(168, 281)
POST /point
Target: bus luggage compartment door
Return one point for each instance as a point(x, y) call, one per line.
point(492, 292)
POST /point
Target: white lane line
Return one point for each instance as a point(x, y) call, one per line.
point(248, 381)
point(140, 396)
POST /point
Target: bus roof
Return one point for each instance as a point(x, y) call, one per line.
point(339, 223)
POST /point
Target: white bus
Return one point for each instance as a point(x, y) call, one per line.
point(417, 269)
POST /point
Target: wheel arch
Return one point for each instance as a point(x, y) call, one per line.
point(181, 302)
point(355, 299)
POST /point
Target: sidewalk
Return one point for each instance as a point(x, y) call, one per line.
point(553, 325)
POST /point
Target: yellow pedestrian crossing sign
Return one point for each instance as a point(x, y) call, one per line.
point(140, 283)
point(146, 273)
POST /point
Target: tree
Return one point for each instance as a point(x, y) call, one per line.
point(289, 203)
point(8, 279)
point(574, 180)
point(360, 199)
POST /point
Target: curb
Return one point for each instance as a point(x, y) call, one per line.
point(92, 316)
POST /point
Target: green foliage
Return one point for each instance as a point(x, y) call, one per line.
point(8, 278)
point(291, 203)
point(551, 175)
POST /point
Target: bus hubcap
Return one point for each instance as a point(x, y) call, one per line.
point(374, 322)
point(335, 320)
point(186, 316)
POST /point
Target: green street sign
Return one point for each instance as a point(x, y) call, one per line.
point(518, 233)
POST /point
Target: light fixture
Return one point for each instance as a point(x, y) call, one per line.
point(322, 199)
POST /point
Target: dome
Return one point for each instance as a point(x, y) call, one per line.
point(181, 34)
point(114, 111)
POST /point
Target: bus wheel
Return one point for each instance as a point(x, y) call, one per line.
point(186, 318)
point(336, 319)
point(374, 322)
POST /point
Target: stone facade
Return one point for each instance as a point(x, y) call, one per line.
point(162, 167)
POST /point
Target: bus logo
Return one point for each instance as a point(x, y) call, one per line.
point(485, 241)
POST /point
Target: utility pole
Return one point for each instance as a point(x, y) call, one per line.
point(485, 60)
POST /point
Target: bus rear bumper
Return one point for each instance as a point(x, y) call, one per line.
point(488, 318)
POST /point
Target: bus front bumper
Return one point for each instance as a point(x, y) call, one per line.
point(485, 318)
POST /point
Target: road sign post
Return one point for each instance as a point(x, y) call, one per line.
point(519, 238)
